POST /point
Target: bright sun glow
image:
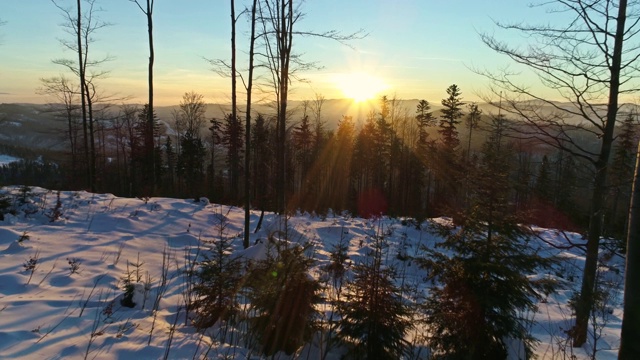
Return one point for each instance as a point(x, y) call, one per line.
point(360, 86)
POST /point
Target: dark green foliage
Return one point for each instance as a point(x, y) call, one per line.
point(481, 269)
point(219, 279)
point(451, 114)
point(190, 162)
point(169, 170)
point(425, 120)
point(127, 298)
point(543, 188)
point(145, 159)
point(232, 138)
point(302, 141)
point(374, 318)
point(262, 161)
point(337, 267)
point(621, 178)
point(5, 206)
point(283, 296)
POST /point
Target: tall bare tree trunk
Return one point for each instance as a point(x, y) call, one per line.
point(92, 140)
point(285, 38)
point(149, 139)
point(586, 299)
point(234, 102)
point(247, 132)
point(82, 95)
point(629, 344)
point(150, 145)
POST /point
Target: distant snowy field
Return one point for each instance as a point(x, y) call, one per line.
point(5, 159)
point(61, 309)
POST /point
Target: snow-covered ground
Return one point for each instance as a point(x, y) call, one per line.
point(68, 306)
point(5, 159)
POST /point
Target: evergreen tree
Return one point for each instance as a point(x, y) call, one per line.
point(302, 144)
point(215, 187)
point(283, 297)
point(566, 185)
point(219, 278)
point(262, 161)
point(451, 114)
point(483, 289)
point(471, 121)
point(383, 141)
point(232, 137)
point(621, 171)
point(170, 160)
point(445, 162)
point(425, 120)
point(190, 163)
point(364, 157)
point(544, 187)
point(373, 316)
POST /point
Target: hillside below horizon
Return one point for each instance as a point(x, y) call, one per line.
point(40, 126)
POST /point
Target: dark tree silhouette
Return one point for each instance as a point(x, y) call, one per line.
point(588, 61)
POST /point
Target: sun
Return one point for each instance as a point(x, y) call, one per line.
point(360, 86)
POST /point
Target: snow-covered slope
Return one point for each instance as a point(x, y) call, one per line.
point(68, 307)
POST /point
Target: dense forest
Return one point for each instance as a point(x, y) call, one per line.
point(398, 161)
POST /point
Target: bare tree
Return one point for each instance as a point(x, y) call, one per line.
point(149, 138)
point(278, 18)
point(247, 133)
point(629, 345)
point(82, 27)
point(585, 63)
point(66, 93)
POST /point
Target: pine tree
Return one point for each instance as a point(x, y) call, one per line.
point(302, 144)
point(215, 187)
point(374, 318)
point(219, 278)
point(190, 163)
point(383, 143)
point(445, 162)
point(170, 160)
point(283, 297)
point(364, 157)
point(425, 120)
point(621, 171)
point(472, 120)
point(544, 187)
point(262, 161)
point(481, 269)
point(451, 114)
point(232, 138)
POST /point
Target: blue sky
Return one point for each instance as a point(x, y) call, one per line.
point(417, 48)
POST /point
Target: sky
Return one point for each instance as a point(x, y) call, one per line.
point(414, 49)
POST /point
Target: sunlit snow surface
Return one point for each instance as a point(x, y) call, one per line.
point(54, 314)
